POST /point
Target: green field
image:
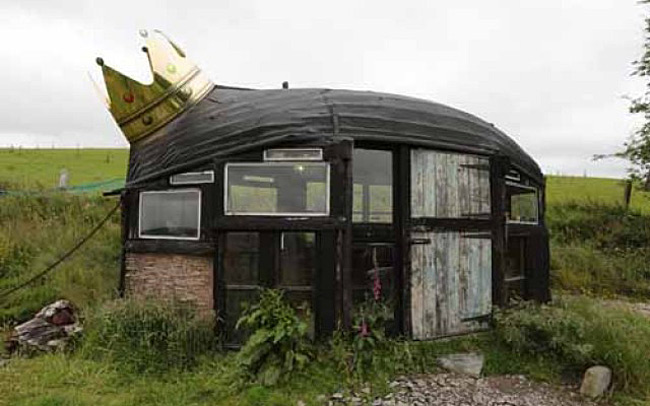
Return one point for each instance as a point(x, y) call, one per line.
point(562, 189)
point(40, 168)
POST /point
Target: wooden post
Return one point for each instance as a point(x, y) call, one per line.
point(401, 221)
point(348, 185)
point(627, 194)
point(498, 169)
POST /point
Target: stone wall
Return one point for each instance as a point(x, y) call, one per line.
point(183, 278)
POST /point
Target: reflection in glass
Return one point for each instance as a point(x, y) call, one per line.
point(298, 257)
point(279, 188)
point(368, 261)
point(297, 271)
point(170, 214)
point(241, 258)
point(522, 204)
point(373, 186)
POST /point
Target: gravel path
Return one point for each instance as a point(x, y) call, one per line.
point(448, 390)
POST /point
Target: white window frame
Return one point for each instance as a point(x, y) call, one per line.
point(168, 237)
point(537, 203)
point(316, 158)
point(276, 163)
point(176, 182)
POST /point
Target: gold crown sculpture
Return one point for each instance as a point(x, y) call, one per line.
point(178, 84)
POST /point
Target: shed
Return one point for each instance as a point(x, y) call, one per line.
point(317, 191)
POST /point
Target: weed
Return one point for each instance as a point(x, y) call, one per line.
point(278, 344)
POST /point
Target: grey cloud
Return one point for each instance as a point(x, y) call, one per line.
point(551, 74)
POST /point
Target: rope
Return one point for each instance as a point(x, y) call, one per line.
point(62, 258)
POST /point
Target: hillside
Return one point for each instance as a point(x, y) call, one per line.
point(40, 168)
point(598, 249)
point(33, 168)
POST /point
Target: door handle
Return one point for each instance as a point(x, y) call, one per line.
point(420, 241)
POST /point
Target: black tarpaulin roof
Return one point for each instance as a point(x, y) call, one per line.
point(230, 121)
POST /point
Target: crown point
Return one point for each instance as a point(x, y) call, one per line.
point(145, 49)
point(144, 33)
point(99, 61)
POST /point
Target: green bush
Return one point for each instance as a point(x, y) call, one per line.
point(608, 227)
point(148, 336)
point(278, 344)
point(578, 333)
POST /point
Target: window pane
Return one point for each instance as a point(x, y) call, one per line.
point(297, 259)
point(192, 177)
point(241, 259)
point(368, 262)
point(523, 204)
point(277, 188)
point(373, 186)
point(171, 214)
point(236, 302)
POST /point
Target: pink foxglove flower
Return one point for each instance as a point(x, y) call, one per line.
point(376, 287)
point(363, 330)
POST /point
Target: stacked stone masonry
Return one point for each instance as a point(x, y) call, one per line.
point(181, 278)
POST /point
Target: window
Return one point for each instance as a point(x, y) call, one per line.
point(171, 214)
point(522, 204)
point(241, 279)
point(515, 267)
point(277, 188)
point(189, 178)
point(293, 154)
point(373, 186)
point(251, 260)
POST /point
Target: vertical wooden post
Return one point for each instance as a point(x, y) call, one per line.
point(627, 194)
point(498, 169)
point(348, 185)
point(124, 222)
point(401, 220)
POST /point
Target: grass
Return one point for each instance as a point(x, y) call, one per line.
point(60, 379)
point(549, 343)
point(40, 168)
point(600, 249)
point(35, 231)
point(567, 189)
point(576, 333)
point(597, 248)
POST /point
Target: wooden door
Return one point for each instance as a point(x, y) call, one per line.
point(451, 244)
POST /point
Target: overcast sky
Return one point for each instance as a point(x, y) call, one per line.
point(552, 74)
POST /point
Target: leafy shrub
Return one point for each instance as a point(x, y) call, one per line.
point(278, 344)
point(148, 336)
point(578, 333)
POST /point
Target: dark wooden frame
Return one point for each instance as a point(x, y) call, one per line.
point(332, 294)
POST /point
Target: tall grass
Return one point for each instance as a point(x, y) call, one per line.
point(600, 248)
point(35, 231)
point(577, 333)
point(147, 335)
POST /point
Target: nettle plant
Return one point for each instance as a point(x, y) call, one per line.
point(279, 343)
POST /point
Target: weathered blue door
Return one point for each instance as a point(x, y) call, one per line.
point(451, 251)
